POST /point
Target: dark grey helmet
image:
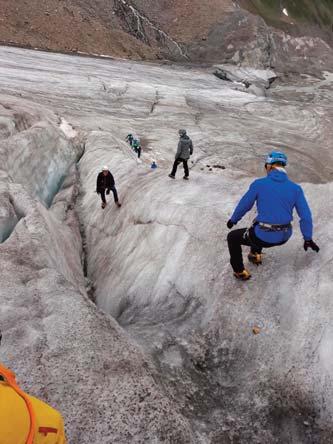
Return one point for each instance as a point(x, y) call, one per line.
point(182, 132)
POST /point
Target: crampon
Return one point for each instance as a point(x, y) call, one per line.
point(255, 258)
point(243, 275)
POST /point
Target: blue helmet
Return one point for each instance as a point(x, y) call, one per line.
point(276, 156)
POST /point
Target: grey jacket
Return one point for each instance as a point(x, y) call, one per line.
point(185, 148)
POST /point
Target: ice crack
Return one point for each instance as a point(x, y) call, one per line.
point(166, 224)
point(155, 102)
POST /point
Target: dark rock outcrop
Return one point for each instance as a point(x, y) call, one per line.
point(246, 40)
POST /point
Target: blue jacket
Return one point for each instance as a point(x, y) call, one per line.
point(276, 197)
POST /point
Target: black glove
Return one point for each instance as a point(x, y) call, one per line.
point(107, 191)
point(230, 224)
point(312, 245)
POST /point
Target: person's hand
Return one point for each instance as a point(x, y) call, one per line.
point(107, 191)
point(230, 224)
point(312, 245)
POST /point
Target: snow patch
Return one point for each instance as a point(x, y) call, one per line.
point(67, 129)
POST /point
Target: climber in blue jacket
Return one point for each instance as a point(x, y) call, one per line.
point(276, 197)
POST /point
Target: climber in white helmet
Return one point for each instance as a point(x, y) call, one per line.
point(105, 184)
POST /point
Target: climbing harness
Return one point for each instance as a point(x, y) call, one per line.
point(273, 227)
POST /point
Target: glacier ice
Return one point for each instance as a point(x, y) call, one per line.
point(168, 353)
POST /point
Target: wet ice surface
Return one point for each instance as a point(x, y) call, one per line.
point(159, 265)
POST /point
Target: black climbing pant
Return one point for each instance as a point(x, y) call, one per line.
point(175, 166)
point(114, 191)
point(244, 236)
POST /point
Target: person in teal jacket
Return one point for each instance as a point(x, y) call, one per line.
point(276, 197)
point(136, 145)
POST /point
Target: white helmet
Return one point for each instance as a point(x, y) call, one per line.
point(105, 168)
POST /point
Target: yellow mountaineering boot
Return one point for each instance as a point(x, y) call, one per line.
point(255, 258)
point(243, 275)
